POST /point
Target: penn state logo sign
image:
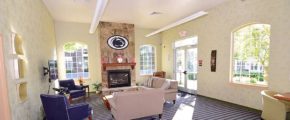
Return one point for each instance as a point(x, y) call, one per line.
point(118, 42)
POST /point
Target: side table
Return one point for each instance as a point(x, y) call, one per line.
point(106, 100)
point(86, 87)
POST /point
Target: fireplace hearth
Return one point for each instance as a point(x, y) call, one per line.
point(119, 78)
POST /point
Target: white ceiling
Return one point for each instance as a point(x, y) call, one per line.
point(129, 11)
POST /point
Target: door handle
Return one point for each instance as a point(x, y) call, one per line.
point(184, 72)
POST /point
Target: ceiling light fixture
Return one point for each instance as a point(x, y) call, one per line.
point(100, 8)
point(184, 20)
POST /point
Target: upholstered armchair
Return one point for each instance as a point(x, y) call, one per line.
point(56, 107)
point(75, 91)
point(274, 109)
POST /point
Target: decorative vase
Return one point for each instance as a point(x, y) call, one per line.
point(119, 59)
point(81, 81)
point(97, 92)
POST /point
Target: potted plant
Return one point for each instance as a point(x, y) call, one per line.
point(81, 81)
point(97, 87)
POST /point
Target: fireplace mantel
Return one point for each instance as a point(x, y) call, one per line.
point(105, 65)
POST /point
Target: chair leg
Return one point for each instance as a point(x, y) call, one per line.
point(173, 101)
point(113, 118)
point(90, 117)
point(160, 115)
point(70, 99)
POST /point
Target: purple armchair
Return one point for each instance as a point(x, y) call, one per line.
point(56, 107)
point(75, 91)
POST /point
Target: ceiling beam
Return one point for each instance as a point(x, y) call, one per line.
point(179, 22)
point(100, 8)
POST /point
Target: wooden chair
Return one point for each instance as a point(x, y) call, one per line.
point(160, 74)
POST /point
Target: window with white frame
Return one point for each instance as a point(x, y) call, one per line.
point(76, 60)
point(147, 60)
point(251, 45)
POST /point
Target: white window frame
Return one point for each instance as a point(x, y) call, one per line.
point(241, 65)
point(154, 60)
point(72, 62)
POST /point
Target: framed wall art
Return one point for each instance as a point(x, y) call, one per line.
point(213, 60)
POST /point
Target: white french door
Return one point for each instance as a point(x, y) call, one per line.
point(186, 68)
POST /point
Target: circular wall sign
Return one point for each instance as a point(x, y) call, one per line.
point(118, 42)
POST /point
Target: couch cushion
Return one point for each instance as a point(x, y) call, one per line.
point(170, 91)
point(173, 84)
point(148, 82)
point(145, 82)
point(144, 88)
point(157, 82)
point(166, 85)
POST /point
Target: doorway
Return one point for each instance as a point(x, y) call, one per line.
point(186, 64)
point(4, 103)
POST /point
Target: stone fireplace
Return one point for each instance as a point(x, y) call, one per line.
point(119, 78)
point(109, 55)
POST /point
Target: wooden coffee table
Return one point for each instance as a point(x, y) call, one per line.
point(109, 91)
point(283, 96)
point(105, 99)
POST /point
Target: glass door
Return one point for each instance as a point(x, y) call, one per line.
point(180, 67)
point(186, 68)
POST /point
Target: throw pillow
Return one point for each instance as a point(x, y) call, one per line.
point(165, 85)
point(150, 81)
point(145, 82)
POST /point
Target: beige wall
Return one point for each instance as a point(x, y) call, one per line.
point(214, 32)
point(31, 20)
point(140, 40)
point(78, 32)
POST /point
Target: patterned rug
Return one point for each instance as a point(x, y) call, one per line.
point(187, 107)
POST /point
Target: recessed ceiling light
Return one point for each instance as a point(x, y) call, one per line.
point(155, 13)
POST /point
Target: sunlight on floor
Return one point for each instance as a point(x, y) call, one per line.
point(184, 112)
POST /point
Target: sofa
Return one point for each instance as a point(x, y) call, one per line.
point(136, 104)
point(167, 85)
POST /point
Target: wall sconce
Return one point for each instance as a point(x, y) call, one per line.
point(45, 71)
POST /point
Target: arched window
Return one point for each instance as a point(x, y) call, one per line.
point(76, 60)
point(251, 45)
point(147, 60)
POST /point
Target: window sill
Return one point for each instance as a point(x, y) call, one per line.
point(76, 79)
point(249, 85)
point(145, 75)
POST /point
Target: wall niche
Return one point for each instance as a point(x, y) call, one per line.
point(22, 91)
point(19, 67)
point(17, 56)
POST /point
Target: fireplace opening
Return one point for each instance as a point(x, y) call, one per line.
point(119, 78)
